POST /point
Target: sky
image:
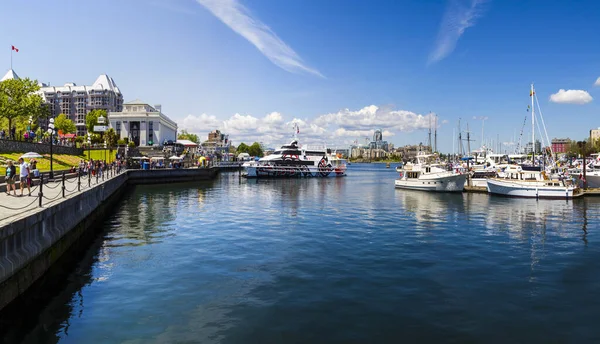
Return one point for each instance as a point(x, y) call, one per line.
point(339, 69)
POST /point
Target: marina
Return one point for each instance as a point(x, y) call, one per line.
point(531, 261)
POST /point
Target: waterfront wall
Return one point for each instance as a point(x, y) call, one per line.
point(31, 245)
point(8, 146)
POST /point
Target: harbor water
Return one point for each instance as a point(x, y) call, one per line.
point(331, 260)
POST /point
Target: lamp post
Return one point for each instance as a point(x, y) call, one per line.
point(104, 150)
point(89, 142)
point(29, 128)
point(51, 132)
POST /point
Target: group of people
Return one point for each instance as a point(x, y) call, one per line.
point(97, 167)
point(22, 176)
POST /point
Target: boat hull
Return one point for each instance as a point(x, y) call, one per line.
point(293, 172)
point(452, 183)
point(593, 179)
point(530, 189)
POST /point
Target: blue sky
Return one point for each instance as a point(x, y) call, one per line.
point(251, 68)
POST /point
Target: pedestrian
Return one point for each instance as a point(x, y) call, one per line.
point(11, 176)
point(24, 175)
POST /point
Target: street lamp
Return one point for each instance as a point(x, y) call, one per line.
point(51, 132)
point(29, 128)
point(89, 142)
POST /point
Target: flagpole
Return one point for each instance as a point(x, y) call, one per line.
point(11, 57)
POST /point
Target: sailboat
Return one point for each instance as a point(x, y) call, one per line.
point(534, 182)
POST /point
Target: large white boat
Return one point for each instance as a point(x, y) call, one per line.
point(516, 182)
point(293, 161)
point(428, 174)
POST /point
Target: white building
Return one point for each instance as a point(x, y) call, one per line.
point(143, 124)
point(77, 101)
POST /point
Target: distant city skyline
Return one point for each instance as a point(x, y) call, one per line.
point(339, 70)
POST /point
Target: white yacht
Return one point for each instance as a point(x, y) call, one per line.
point(592, 174)
point(516, 182)
point(292, 161)
point(428, 174)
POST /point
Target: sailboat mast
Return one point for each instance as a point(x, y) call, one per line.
point(531, 93)
point(429, 139)
point(435, 135)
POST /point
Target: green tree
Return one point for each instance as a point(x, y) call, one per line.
point(111, 138)
point(18, 100)
point(64, 124)
point(255, 149)
point(242, 148)
point(91, 119)
point(184, 135)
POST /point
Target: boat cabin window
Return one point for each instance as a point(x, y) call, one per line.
point(314, 153)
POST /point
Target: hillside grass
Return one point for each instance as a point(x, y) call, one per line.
point(60, 161)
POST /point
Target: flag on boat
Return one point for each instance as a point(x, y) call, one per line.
point(528, 107)
point(531, 93)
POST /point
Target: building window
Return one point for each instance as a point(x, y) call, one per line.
point(118, 129)
point(151, 131)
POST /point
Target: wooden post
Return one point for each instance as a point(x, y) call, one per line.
point(40, 195)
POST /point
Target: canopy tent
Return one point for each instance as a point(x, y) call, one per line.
point(66, 136)
point(155, 158)
point(175, 157)
point(31, 155)
point(140, 158)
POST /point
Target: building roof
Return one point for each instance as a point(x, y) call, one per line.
point(103, 82)
point(187, 143)
point(10, 75)
point(136, 102)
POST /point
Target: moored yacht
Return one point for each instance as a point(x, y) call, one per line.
point(428, 174)
point(292, 161)
point(517, 182)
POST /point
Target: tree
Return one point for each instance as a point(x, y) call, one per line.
point(18, 100)
point(255, 149)
point(184, 135)
point(91, 119)
point(242, 148)
point(64, 124)
point(111, 138)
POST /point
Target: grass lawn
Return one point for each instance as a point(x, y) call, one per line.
point(60, 161)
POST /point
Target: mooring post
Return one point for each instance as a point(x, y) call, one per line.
point(63, 184)
point(41, 187)
point(79, 181)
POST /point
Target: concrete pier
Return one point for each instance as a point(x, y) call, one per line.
point(33, 238)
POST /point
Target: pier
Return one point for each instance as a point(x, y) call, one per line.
point(36, 230)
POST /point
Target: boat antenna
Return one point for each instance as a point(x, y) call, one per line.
point(531, 94)
point(429, 139)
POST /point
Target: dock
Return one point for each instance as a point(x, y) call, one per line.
point(475, 189)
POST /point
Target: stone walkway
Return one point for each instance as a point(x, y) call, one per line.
point(15, 207)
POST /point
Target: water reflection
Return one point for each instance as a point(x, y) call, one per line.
point(297, 260)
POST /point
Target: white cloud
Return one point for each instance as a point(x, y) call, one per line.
point(597, 83)
point(340, 128)
point(235, 15)
point(459, 16)
point(571, 97)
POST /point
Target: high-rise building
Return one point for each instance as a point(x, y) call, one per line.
point(594, 135)
point(77, 101)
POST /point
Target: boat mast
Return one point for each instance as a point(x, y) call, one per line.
point(429, 139)
point(435, 133)
point(531, 93)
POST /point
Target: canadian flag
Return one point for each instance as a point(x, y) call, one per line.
point(15, 49)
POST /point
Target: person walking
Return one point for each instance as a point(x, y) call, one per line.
point(24, 175)
point(11, 176)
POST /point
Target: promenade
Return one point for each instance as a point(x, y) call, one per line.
point(13, 207)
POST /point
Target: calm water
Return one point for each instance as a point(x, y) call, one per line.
point(337, 260)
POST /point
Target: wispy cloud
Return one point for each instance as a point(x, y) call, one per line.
point(459, 15)
point(235, 15)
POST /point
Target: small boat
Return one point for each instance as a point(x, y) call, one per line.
point(429, 175)
point(387, 165)
point(516, 182)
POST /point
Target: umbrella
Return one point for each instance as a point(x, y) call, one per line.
point(31, 155)
point(174, 157)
